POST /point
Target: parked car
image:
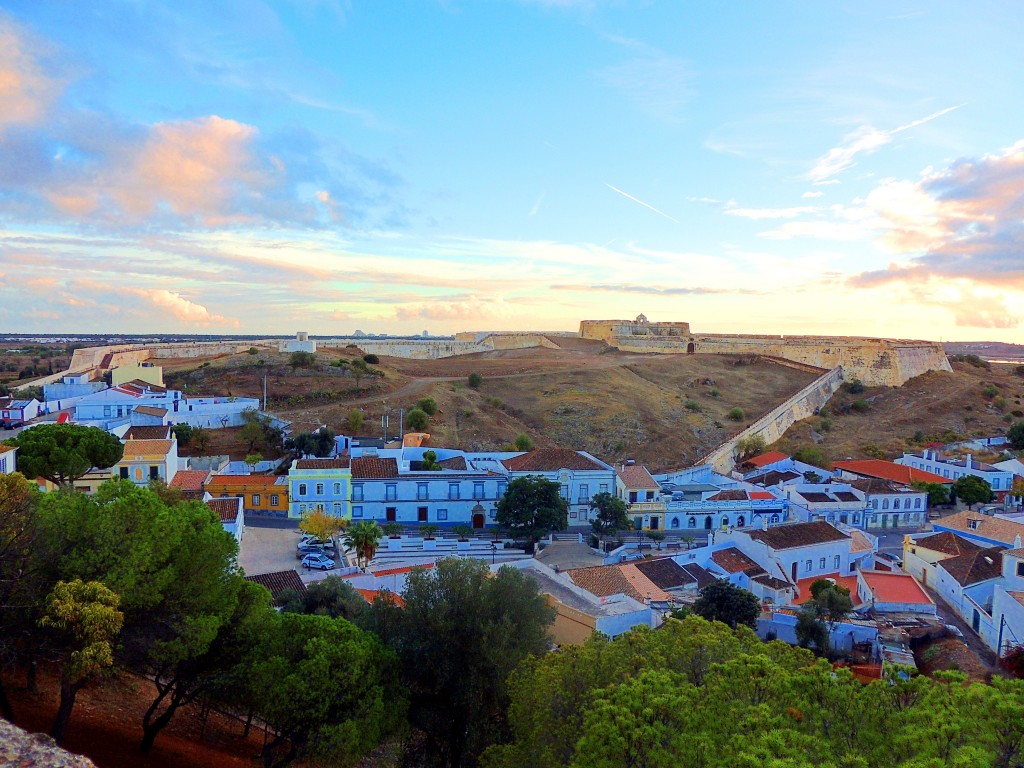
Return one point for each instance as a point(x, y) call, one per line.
point(955, 632)
point(321, 561)
point(308, 549)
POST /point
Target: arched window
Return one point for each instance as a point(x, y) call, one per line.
point(708, 523)
point(675, 522)
point(740, 521)
point(691, 523)
point(917, 503)
point(895, 503)
point(885, 503)
point(775, 519)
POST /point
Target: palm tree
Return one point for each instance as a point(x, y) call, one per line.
point(362, 539)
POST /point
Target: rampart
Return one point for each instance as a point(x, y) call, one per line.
point(773, 425)
point(876, 362)
point(433, 349)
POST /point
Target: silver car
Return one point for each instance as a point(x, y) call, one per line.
point(318, 560)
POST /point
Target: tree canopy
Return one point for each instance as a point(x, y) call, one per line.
point(972, 490)
point(319, 443)
point(611, 514)
point(62, 453)
point(727, 603)
point(531, 507)
point(1016, 434)
point(938, 493)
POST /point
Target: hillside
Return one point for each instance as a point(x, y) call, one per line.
point(663, 410)
point(942, 407)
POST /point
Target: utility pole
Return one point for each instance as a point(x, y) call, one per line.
point(264, 390)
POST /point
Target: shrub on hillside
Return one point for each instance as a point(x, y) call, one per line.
point(372, 359)
point(860, 406)
point(475, 380)
point(736, 414)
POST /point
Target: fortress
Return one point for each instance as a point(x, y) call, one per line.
point(876, 362)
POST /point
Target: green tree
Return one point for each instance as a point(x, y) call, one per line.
point(332, 597)
point(85, 618)
point(523, 442)
point(428, 405)
point(319, 443)
point(532, 507)
point(359, 370)
point(812, 454)
point(657, 537)
point(302, 360)
point(62, 453)
point(749, 446)
point(729, 604)
point(251, 434)
point(183, 432)
point(428, 530)
point(938, 493)
point(475, 380)
point(972, 490)
point(459, 699)
point(611, 514)
point(253, 459)
point(363, 538)
point(355, 420)
point(430, 463)
point(829, 605)
point(328, 690)
point(201, 439)
point(1016, 436)
point(736, 414)
point(417, 420)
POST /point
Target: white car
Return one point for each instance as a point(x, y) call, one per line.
point(318, 560)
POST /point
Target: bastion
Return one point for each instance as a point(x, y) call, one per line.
point(876, 362)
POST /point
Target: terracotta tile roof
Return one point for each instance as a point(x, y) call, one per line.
point(371, 467)
point(403, 569)
point(235, 481)
point(760, 495)
point(773, 477)
point(550, 460)
point(701, 575)
point(887, 470)
point(771, 582)
point(804, 585)
point(148, 433)
point(665, 573)
point(1016, 595)
point(1018, 553)
point(985, 526)
point(872, 485)
point(731, 560)
point(948, 543)
point(455, 462)
point(643, 585)
point(369, 595)
point(151, 410)
point(765, 459)
point(790, 536)
point(817, 497)
point(731, 495)
point(974, 567)
point(859, 542)
point(228, 509)
point(341, 462)
point(895, 588)
point(146, 448)
point(636, 478)
point(190, 480)
point(278, 582)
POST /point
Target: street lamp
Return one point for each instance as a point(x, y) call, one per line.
point(494, 551)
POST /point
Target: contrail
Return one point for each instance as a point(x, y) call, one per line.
point(924, 120)
point(637, 200)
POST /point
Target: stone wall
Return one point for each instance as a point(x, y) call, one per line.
point(773, 425)
point(876, 362)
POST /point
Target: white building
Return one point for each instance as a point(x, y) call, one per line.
point(8, 459)
point(15, 412)
point(301, 343)
point(579, 474)
point(955, 468)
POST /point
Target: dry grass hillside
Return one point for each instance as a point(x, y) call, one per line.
point(882, 422)
point(664, 410)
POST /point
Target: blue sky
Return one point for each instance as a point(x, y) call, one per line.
point(398, 166)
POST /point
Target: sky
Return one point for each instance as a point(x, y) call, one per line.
point(240, 166)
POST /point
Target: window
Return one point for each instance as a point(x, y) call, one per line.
point(390, 492)
point(302, 509)
point(453, 490)
point(255, 499)
point(357, 491)
point(502, 487)
point(885, 503)
point(357, 511)
point(690, 522)
point(821, 563)
point(775, 519)
point(675, 522)
point(421, 514)
point(895, 503)
point(124, 473)
point(319, 489)
point(274, 499)
point(337, 510)
point(154, 473)
point(565, 492)
point(917, 503)
point(442, 514)
point(650, 495)
point(836, 561)
point(302, 489)
point(422, 492)
point(874, 503)
point(106, 411)
point(337, 489)
point(1020, 568)
point(604, 487)
point(808, 565)
point(584, 493)
point(573, 514)
point(632, 497)
point(478, 490)
point(972, 524)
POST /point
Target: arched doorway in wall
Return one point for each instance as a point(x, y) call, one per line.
point(691, 348)
point(707, 523)
point(478, 516)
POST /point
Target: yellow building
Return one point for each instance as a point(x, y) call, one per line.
point(642, 494)
point(262, 494)
point(147, 372)
point(146, 460)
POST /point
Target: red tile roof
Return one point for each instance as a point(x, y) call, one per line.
point(636, 477)
point(974, 567)
point(373, 468)
point(134, 448)
point(627, 579)
point(765, 459)
point(278, 582)
point(804, 585)
point(895, 588)
point(455, 462)
point(404, 569)
point(948, 543)
point(190, 480)
point(340, 462)
point(228, 509)
point(794, 535)
point(887, 470)
point(550, 460)
point(730, 495)
point(234, 481)
point(731, 560)
point(760, 495)
point(369, 595)
point(150, 410)
point(148, 433)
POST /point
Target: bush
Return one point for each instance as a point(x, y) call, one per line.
point(855, 387)
point(989, 391)
point(372, 359)
point(860, 406)
point(355, 420)
point(974, 360)
point(811, 454)
point(692, 405)
point(428, 405)
point(736, 414)
point(253, 351)
point(714, 392)
point(825, 425)
point(1019, 370)
point(302, 360)
point(475, 380)
point(750, 446)
point(417, 419)
point(523, 443)
point(183, 432)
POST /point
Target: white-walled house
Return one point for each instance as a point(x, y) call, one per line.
point(635, 485)
point(954, 468)
point(8, 459)
point(831, 502)
point(579, 474)
point(922, 552)
point(146, 460)
point(14, 412)
point(891, 505)
point(115, 405)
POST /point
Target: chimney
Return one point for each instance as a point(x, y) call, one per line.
point(969, 461)
point(1016, 541)
point(764, 523)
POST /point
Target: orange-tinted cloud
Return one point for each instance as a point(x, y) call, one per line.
point(27, 90)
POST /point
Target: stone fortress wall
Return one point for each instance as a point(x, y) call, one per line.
point(876, 362)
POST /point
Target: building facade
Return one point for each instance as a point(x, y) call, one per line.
point(320, 485)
